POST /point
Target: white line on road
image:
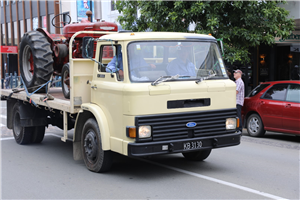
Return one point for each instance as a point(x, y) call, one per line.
point(217, 180)
point(1, 125)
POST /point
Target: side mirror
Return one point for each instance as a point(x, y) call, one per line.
point(87, 47)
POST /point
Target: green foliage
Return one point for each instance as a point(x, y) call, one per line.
point(241, 24)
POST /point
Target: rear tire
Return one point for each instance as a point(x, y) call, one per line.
point(22, 135)
point(94, 157)
point(255, 126)
point(65, 80)
point(197, 155)
point(38, 134)
point(36, 62)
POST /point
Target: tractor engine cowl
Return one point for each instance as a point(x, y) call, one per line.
point(71, 29)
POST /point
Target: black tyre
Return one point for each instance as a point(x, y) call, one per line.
point(38, 134)
point(94, 157)
point(255, 126)
point(22, 135)
point(36, 62)
point(65, 80)
point(197, 155)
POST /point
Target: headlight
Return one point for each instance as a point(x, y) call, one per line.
point(144, 131)
point(230, 123)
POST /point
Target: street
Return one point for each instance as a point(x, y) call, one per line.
point(259, 168)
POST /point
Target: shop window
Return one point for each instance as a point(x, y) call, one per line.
point(3, 34)
point(52, 28)
point(28, 23)
point(9, 33)
point(21, 28)
point(15, 42)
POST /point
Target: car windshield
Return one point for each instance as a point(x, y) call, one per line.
point(148, 61)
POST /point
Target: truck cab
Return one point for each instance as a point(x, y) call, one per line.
point(161, 93)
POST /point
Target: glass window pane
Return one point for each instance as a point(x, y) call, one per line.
point(15, 33)
point(21, 28)
point(276, 92)
point(28, 22)
point(258, 89)
point(293, 93)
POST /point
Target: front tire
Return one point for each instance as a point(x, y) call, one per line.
point(36, 62)
point(255, 126)
point(197, 155)
point(22, 135)
point(94, 157)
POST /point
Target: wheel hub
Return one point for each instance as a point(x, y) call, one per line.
point(254, 125)
point(90, 146)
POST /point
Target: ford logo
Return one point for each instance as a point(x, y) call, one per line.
point(191, 124)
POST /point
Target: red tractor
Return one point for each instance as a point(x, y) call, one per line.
point(43, 55)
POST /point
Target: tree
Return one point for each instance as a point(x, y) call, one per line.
point(241, 24)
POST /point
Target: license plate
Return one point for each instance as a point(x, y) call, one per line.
point(192, 145)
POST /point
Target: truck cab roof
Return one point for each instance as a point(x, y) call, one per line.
point(129, 36)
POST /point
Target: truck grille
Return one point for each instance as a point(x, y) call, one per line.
point(173, 126)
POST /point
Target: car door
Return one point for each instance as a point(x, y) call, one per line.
point(291, 112)
point(271, 106)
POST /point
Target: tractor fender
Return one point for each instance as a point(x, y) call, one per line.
point(52, 37)
point(90, 111)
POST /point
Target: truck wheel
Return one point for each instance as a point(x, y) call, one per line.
point(65, 80)
point(94, 157)
point(22, 135)
point(36, 62)
point(197, 155)
point(38, 134)
point(255, 126)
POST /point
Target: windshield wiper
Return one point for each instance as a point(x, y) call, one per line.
point(167, 78)
point(205, 78)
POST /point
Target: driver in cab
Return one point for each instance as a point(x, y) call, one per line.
point(136, 62)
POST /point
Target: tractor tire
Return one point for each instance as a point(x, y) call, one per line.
point(36, 61)
point(65, 80)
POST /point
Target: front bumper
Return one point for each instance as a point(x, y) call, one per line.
point(179, 146)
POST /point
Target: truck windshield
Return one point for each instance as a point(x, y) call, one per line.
point(147, 61)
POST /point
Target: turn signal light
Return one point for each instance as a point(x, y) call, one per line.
point(132, 132)
point(237, 122)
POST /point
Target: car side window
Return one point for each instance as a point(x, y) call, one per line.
point(258, 89)
point(276, 92)
point(293, 93)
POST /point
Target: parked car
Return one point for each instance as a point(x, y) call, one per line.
point(273, 106)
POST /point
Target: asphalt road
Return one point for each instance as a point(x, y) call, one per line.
point(259, 168)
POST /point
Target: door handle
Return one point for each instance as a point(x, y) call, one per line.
point(94, 87)
point(262, 102)
point(288, 105)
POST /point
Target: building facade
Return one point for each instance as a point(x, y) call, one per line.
point(278, 62)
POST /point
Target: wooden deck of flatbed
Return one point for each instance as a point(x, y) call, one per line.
point(59, 102)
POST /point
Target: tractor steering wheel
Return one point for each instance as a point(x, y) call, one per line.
point(63, 22)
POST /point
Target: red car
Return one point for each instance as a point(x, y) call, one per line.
point(273, 106)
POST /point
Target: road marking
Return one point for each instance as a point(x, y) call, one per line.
point(217, 180)
point(1, 125)
point(3, 116)
point(193, 174)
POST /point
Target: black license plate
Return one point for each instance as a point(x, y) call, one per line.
point(192, 145)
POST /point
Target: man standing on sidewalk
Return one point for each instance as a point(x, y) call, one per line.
point(240, 94)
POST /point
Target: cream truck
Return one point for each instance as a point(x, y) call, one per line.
point(166, 93)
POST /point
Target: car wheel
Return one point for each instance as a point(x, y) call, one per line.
point(255, 126)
